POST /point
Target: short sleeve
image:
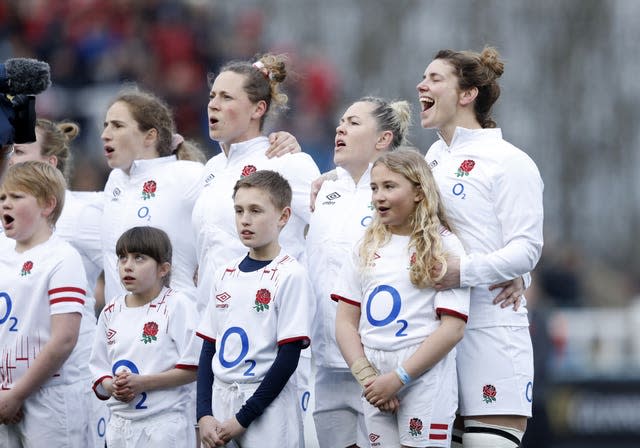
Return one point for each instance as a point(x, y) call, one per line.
point(349, 285)
point(294, 301)
point(67, 284)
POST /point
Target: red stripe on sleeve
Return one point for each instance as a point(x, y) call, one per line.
point(66, 299)
point(186, 367)
point(68, 289)
point(305, 341)
point(205, 337)
point(97, 383)
point(337, 298)
point(453, 313)
point(442, 426)
point(437, 436)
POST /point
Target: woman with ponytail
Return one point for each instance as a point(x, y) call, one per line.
point(493, 195)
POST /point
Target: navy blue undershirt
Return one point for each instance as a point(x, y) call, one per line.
point(274, 380)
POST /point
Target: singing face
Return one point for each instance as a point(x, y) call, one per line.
point(123, 140)
point(233, 118)
point(439, 95)
point(356, 138)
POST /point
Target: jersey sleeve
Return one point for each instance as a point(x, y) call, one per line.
point(301, 171)
point(99, 362)
point(207, 328)
point(89, 236)
point(455, 301)
point(517, 195)
point(348, 288)
point(294, 302)
point(67, 284)
point(182, 326)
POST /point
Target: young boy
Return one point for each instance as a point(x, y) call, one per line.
point(255, 326)
point(42, 303)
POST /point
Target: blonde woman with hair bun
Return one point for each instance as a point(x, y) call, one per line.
point(369, 128)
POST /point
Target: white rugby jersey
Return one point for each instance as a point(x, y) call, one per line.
point(213, 215)
point(80, 225)
point(157, 192)
point(251, 313)
point(45, 280)
point(492, 192)
point(394, 313)
point(145, 340)
point(343, 211)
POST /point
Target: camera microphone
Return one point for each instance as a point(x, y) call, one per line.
point(24, 76)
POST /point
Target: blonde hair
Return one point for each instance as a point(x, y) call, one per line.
point(55, 139)
point(40, 180)
point(262, 80)
point(394, 116)
point(426, 221)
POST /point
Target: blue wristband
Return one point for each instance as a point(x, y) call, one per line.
point(403, 375)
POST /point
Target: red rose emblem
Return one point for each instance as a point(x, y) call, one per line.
point(26, 268)
point(489, 393)
point(263, 297)
point(249, 169)
point(415, 426)
point(149, 332)
point(465, 168)
point(149, 189)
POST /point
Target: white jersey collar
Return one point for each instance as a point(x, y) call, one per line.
point(462, 135)
point(248, 146)
point(143, 165)
point(344, 176)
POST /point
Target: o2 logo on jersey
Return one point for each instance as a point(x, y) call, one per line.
point(6, 306)
point(244, 349)
point(379, 293)
point(458, 190)
point(124, 365)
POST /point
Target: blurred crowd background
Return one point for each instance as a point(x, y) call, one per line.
point(569, 100)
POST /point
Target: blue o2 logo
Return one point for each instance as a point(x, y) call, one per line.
point(528, 393)
point(396, 304)
point(304, 401)
point(125, 364)
point(102, 427)
point(244, 349)
point(6, 315)
point(143, 212)
point(364, 222)
point(458, 190)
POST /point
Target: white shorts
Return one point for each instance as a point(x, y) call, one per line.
point(53, 416)
point(166, 429)
point(495, 371)
point(338, 413)
point(279, 425)
point(427, 404)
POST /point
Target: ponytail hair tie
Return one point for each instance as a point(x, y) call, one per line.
point(176, 140)
point(264, 70)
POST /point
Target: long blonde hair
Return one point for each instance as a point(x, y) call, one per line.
point(426, 221)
